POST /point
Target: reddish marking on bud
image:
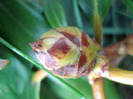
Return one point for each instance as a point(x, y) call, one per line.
point(71, 37)
point(82, 62)
point(60, 48)
point(91, 54)
point(87, 70)
point(47, 60)
point(66, 71)
point(91, 65)
point(50, 62)
point(84, 39)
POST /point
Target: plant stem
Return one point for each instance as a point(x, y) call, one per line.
point(98, 89)
point(98, 31)
point(113, 51)
point(99, 70)
point(97, 86)
point(97, 25)
point(39, 76)
point(116, 52)
point(121, 76)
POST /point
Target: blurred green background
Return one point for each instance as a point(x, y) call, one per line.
point(24, 21)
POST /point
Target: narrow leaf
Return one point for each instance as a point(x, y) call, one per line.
point(15, 78)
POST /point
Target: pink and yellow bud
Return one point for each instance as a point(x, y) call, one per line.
point(67, 52)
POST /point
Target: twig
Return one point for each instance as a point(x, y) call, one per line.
point(39, 76)
point(116, 52)
point(98, 89)
point(97, 25)
point(97, 86)
point(121, 76)
point(123, 47)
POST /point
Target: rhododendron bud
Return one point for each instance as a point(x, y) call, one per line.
point(67, 52)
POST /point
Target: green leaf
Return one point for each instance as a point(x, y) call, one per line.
point(95, 8)
point(55, 13)
point(80, 84)
point(69, 11)
point(129, 5)
point(20, 24)
point(110, 90)
point(15, 78)
point(36, 5)
point(77, 14)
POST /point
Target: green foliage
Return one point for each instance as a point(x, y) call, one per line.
point(96, 10)
point(107, 85)
point(24, 24)
point(55, 13)
point(92, 7)
point(15, 78)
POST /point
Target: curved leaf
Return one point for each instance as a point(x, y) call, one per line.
point(55, 13)
point(21, 25)
point(80, 84)
point(110, 90)
point(15, 78)
point(95, 8)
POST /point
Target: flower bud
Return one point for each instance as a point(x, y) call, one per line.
point(67, 52)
